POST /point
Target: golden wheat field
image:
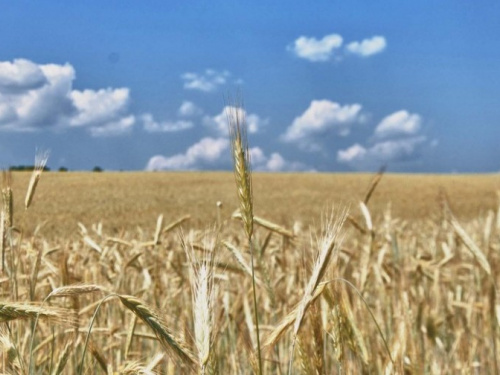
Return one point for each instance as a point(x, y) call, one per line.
point(144, 273)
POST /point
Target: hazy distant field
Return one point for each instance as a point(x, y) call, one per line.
point(127, 200)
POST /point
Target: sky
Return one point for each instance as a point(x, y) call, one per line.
point(327, 86)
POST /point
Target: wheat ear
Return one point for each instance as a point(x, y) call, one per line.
point(41, 158)
point(328, 243)
point(243, 177)
point(202, 285)
point(169, 342)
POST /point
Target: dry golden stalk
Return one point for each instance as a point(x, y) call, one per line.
point(159, 225)
point(241, 261)
point(13, 311)
point(268, 225)
point(75, 290)
point(175, 224)
point(40, 162)
point(3, 237)
point(289, 320)
point(174, 345)
point(373, 184)
point(99, 357)
point(318, 342)
point(130, 335)
point(328, 244)
point(337, 329)
point(241, 163)
point(304, 357)
point(367, 216)
point(7, 199)
point(34, 274)
point(10, 355)
point(471, 245)
point(345, 327)
point(202, 285)
point(63, 358)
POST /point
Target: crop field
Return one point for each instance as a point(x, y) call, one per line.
point(175, 273)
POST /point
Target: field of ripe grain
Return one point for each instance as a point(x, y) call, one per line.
point(404, 283)
point(124, 201)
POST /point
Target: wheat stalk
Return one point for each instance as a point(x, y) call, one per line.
point(14, 311)
point(7, 199)
point(202, 285)
point(242, 173)
point(170, 343)
point(41, 158)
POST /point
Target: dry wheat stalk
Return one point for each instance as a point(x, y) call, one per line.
point(41, 158)
point(471, 245)
point(290, 319)
point(268, 225)
point(328, 243)
point(243, 176)
point(3, 237)
point(170, 343)
point(63, 358)
point(7, 199)
point(75, 290)
point(241, 261)
point(202, 285)
point(13, 311)
point(241, 164)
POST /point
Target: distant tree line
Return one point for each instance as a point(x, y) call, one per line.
point(29, 168)
point(25, 168)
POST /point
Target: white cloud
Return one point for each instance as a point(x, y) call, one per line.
point(152, 126)
point(189, 109)
point(355, 152)
point(392, 151)
point(219, 122)
point(20, 74)
point(99, 106)
point(315, 50)
point(273, 163)
point(34, 97)
point(119, 127)
point(398, 123)
point(207, 81)
point(207, 151)
point(322, 116)
point(367, 47)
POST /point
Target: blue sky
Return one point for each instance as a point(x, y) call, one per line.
point(327, 85)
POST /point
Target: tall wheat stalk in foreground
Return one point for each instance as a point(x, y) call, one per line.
point(243, 176)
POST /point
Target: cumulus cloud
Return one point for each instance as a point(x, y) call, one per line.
point(152, 126)
point(367, 47)
point(207, 152)
point(34, 96)
point(391, 151)
point(113, 128)
point(273, 163)
point(189, 109)
point(398, 123)
point(322, 117)
point(98, 106)
point(20, 75)
point(219, 123)
point(316, 50)
point(398, 138)
point(208, 81)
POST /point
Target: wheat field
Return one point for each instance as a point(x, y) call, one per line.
point(144, 273)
